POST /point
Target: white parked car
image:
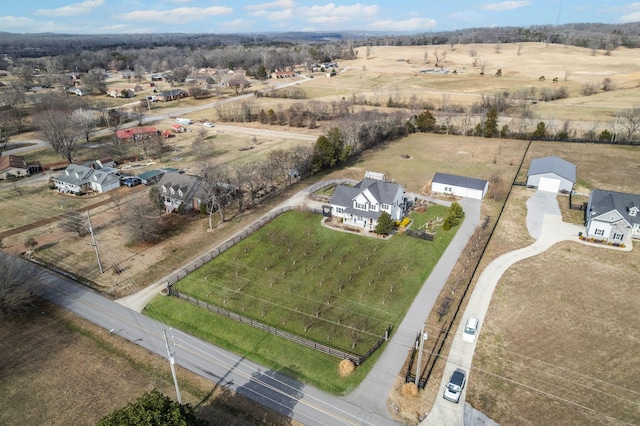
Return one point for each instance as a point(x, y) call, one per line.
point(454, 387)
point(470, 330)
point(207, 124)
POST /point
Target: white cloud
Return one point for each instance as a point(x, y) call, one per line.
point(278, 4)
point(505, 5)
point(413, 24)
point(15, 22)
point(330, 13)
point(631, 17)
point(179, 15)
point(72, 10)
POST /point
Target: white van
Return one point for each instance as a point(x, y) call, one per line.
point(184, 121)
point(470, 330)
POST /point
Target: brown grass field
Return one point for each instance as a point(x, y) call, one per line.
point(558, 346)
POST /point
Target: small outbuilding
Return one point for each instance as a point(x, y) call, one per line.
point(460, 186)
point(551, 174)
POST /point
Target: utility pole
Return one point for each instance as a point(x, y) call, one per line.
point(172, 362)
point(423, 337)
point(94, 243)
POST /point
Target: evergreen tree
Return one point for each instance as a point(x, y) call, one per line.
point(385, 224)
point(541, 131)
point(153, 409)
point(491, 125)
point(425, 122)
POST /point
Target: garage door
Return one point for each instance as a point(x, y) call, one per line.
point(549, 184)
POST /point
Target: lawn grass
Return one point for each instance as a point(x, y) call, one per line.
point(344, 292)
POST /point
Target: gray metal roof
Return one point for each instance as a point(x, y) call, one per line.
point(602, 201)
point(553, 164)
point(465, 182)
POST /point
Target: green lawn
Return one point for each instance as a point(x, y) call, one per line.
point(335, 288)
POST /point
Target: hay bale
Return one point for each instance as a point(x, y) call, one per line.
point(409, 389)
point(346, 367)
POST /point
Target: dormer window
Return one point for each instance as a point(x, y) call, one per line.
point(164, 188)
point(172, 191)
point(633, 211)
point(180, 192)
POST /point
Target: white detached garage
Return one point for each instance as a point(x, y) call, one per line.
point(551, 174)
point(459, 186)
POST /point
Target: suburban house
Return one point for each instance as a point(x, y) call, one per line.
point(121, 93)
point(79, 178)
point(171, 95)
point(17, 166)
point(361, 205)
point(613, 216)
point(135, 134)
point(459, 186)
point(177, 189)
point(551, 174)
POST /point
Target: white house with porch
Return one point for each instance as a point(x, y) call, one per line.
point(362, 204)
point(77, 178)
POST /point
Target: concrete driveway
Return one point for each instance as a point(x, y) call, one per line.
point(550, 230)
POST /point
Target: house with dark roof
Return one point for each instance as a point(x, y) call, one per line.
point(15, 166)
point(552, 174)
point(362, 204)
point(177, 189)
point(459, 186)
point(77, 178)
point(613, 216)
point(171, 95)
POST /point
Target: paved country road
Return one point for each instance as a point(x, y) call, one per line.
point(286, 396)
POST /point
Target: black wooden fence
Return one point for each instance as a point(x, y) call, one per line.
point(356, 359)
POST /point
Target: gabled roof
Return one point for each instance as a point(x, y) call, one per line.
point(553, 164)
point(383, 192)
point(602, 201)
point(180, 183)
point(465, 182)
point(76, 174)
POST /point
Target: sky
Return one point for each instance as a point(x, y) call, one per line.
point(242, 16)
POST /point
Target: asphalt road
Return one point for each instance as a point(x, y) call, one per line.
point(267, 387)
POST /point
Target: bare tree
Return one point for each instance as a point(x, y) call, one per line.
point(217, 190)
point(61, 131)
point(76, 222)
point(201, 147)
point(85, 119)
point(238, 83)
point(15, 278)
point(138, 215)
point(249, 180)
point(629, 119)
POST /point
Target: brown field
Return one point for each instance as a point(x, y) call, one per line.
point(60, 370)
point(536, 318)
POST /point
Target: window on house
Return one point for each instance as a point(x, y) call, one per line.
point(339, 210)
point(384, 206)
point(599, 232)
point(633, 212)
point(617, 236)
point(164, 188)
point(172, 191)
point(448, 189)
point(613, 218)
point(361, 206)
point(180, 192)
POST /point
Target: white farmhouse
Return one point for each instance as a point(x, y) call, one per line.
point(361, 205)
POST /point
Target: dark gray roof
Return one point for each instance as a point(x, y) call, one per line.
point(602, 201)
point(465, 182)
point(553, 164)
point(384, 192)
point(187, 184)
